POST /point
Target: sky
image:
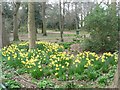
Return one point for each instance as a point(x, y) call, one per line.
point(52, 1)
point(82, 0)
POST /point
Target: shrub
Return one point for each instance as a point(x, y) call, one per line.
point(102, 26)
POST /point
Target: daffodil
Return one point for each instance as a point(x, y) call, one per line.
point(40, 69)
point(56, 74)
point(62, 66)
point(8, 58)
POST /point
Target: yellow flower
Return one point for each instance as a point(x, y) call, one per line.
point(97, 58)
point(72, 56)
point(56, 74)
point(59, 64)
point(53, 62)
point(8, 58)
point(56, 65)
point(67, 58)
point(56, 68)
point(15, 55)
point(23, 62)
point(86, 65)
point(40, 69)
point(39, 66)
point(28, 66)
point(103, 60)
point(116, 58)
point(67, 64)
point(87, 59)
point(62, 66)
point(89, 62)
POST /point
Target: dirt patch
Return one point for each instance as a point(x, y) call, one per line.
point(25, 80)
point(75, 48)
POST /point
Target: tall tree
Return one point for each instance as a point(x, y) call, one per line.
point(116, 82)
point(76, 17)
point(118, 69)
point(4, 39)
point(60, 21)
point(31, 25)
point(15, 21)
point(43, 19)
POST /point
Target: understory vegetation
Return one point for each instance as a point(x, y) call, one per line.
point(50, 61)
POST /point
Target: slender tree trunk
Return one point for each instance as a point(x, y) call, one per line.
point(31, 25)
point(119, 47)
point(118, 69)
point(42, 28)
point(76, 21)
point(60, 22)
point(43, 18)
point(68, 26)
point(15, 22)
point(0, 27)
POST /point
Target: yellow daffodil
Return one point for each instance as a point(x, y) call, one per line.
point(56, 74)
point(8, 58)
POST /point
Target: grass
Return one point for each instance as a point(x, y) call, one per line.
point(52, 36)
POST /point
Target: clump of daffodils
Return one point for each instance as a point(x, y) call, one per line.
point(52, 56)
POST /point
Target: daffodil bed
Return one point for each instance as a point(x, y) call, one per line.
point(51, 61)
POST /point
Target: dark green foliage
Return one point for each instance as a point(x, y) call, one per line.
point(71, 85)
point(102, 26)
point(46, 84)
point(10, 84)
point(66, 45)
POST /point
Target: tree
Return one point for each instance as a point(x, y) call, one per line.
point(116, 81)
point(118, 69)
point(43, 18)
point(31, 25)
point(4, 39)
point(76, 18)
point(15, 21)
point(38, 16)
point(52, 16)
point(60, 21)
point(102, 26)
point(8, 14)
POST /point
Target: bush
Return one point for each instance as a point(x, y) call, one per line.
point(103, 30)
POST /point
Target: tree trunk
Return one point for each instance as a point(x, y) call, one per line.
point(43, 18)
point(15, 22)
point(60, 22)
point(31, 25)
point(116, 82)
point(119, 47)
point(76, 21)
point(42, 28)
point(4, 38)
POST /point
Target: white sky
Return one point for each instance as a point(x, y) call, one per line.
point(72, 0)
point(58, 0)
point(82, 0)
